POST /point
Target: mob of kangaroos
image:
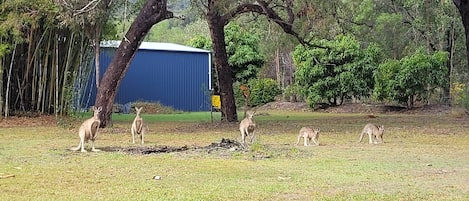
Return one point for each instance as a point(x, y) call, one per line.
point(137, 126)
point(375, 133)
point(89, 131)
point(247, 127)
point(309, 134)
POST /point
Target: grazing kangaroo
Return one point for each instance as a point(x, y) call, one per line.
point(309, 134)
point(247, 126)
point(89, 131)
point(137, 125)
point(375, 133)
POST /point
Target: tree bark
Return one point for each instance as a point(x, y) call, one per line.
point(225, 82)
point(152, 12)
point(463, 7)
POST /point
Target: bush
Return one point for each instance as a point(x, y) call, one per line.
point(291, 94)
point(337, 73)
point(459, 95)
point(413, 78)
point(262, 91)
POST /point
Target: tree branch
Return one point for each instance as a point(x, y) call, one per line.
point(265, 8)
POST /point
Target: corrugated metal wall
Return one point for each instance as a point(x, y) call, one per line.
point(173, 78)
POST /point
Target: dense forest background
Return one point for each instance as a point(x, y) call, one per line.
point(396, 52)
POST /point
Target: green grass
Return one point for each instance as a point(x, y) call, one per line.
point(173, 117)
point(424, 158)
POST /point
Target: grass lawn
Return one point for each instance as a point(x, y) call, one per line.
point(424, 157)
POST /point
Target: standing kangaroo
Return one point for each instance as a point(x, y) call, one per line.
point(247, 126)
point(89, 131)
point(375, 133)
point(137, 125)
point(309, 134)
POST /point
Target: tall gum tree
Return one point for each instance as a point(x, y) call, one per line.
point(153, 11)
point(218, 15)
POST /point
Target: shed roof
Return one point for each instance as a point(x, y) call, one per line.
point(156, 46)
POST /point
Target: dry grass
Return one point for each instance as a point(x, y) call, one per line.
point(424, 158)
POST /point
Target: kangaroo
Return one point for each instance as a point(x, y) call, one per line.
point(89, 131)
point(309, 134)
point(247, 126)
point(137, 125)
point(375, 133)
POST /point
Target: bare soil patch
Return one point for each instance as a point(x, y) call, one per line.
point(358, 108)
point(146, 150)
point(224, 145)
point(25, 121)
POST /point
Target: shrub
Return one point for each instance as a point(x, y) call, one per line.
point(261, 91)
point(290, 93)
point(459, 95)
point(337, 73)
point(412, 78)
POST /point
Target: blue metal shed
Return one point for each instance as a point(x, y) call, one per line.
point(174, 75)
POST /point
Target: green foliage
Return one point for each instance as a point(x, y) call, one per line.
point(244, 54)
point(291, 91)
point(412, 78)
point(459, 95)
point(336, 73)
point(401, 27)
point(3, 49)
point(163, 31)
point(243, 51)
point(172, 31)
point(262, 91)
point(201, 42)
point(239, 97)
point(17, 16)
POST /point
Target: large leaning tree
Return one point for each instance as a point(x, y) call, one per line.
point(153, 11)
point(218, 14)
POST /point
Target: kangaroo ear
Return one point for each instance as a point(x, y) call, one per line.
point(100, 108)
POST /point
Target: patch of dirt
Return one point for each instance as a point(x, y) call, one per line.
point(224, 144)
point(358, 108)
point(282, 105)
point(145, 150)
point(26, 121)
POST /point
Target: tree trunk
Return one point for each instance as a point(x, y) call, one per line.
point(97, 52)
point(152, 12)
point(449, 63)
point(225, 82)
point(463, 7)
